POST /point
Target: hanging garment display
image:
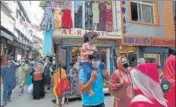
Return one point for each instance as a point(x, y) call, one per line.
point(96, 11)
point(88, 16)
point(66, 19)
point(58, 18)
point(47, 43)
point(102, 17)
point(108, 17)
point(48, 19)
point(78, 14)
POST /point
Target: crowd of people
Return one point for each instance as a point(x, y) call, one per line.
point(25, 73)
point(134, 82)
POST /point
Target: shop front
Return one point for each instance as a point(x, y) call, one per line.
point(72, 40)
point(67, 43)
point(150, 48)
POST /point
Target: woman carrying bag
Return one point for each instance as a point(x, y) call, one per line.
point(121, 86)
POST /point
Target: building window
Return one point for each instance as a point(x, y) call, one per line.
point(142, 11)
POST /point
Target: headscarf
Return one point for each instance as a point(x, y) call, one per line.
point(38, 67)
point(169, 68)
point(120, 62)
point(141, 61)
point(146, 82)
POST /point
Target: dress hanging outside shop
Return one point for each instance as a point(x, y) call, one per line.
point(88, 16)
point(102, 17)
point(67, 19)
point(58, 18)
point(108, 17)
point(47, 43)
point(48, 19)
point(96, 11)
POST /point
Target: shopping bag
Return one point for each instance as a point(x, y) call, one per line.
point(30, 88)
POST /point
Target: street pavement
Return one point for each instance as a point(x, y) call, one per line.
point(26, 100)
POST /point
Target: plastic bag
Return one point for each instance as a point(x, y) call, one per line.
point(30, 88)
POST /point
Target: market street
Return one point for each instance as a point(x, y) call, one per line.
point(26, 101)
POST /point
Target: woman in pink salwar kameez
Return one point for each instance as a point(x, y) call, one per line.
point(147, 88)
point(121, 83)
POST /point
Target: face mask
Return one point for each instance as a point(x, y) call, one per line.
point(9, 63)
point(125, 65)
point(96, 64)
point(54, 62)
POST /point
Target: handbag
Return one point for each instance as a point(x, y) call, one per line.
point(37, 76)
point(165, 85)
point(120, 92)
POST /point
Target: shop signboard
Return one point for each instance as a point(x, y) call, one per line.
point(136, 41)
point(79, 42)
point(73, 33)
point(163, 42)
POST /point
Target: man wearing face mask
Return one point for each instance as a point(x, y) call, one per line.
point(8, 73)
point(92, 81)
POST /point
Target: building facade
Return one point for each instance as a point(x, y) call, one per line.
point(149, 29)
point(16, 36)
point(107, 23)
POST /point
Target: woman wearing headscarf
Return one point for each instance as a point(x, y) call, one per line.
point(120, 85)
point(169, 74)
point(141, 61)
point(21, 75)
point(38, 85)
point(146, 86)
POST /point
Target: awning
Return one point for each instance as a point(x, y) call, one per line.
point(6, 35)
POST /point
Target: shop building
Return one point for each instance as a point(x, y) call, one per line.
point(148, 28)
point(105, 20)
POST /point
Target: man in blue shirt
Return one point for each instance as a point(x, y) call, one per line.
point(94, 83)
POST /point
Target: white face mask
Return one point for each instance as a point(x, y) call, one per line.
point(96, 64)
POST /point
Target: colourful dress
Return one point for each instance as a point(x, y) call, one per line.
point(58, 18)
point(47, 43)
point(96, 11)
point(48, 19)
point(108, 17)
point(102, 16)
point(66, 19)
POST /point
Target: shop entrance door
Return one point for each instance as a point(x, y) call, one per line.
point(105, 56)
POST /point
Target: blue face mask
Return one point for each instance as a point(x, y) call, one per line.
point(95, 64)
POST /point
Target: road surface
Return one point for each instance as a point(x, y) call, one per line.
point(26, 100)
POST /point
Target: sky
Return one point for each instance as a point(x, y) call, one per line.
point(37, 13)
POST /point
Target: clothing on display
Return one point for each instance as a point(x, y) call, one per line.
point(48, 19)
point(96, 11)
point(108, 17)
point(58, 18)
point(78, 14)
point(47, 44)
point(88, 16)
point(67, 19)
point(102, 17)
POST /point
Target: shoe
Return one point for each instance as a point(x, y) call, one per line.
point(9, 100)
point(54, 101)
point(4, 104)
